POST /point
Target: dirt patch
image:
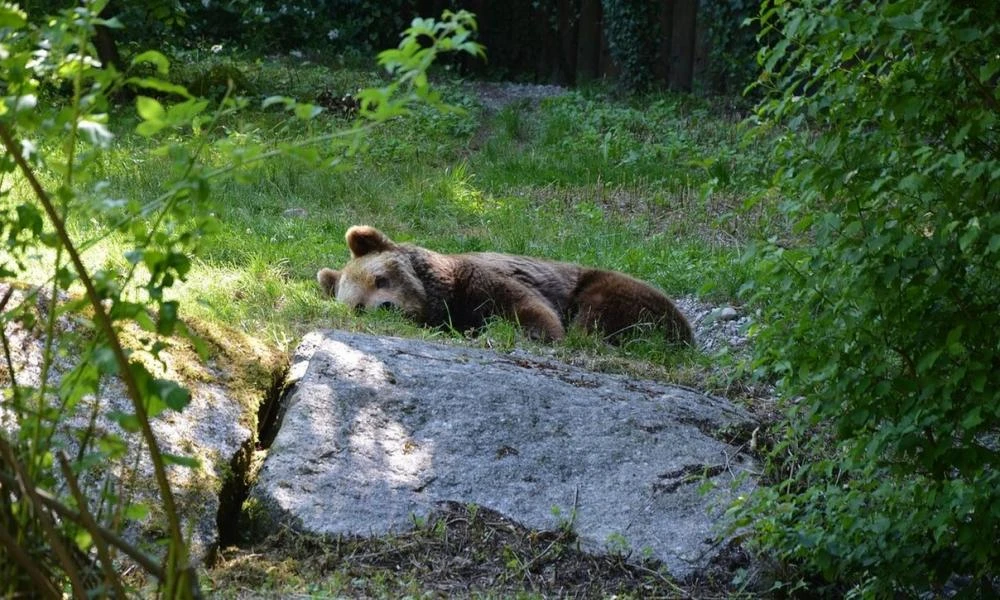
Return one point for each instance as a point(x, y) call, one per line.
point(496, 95)
point(457, 551)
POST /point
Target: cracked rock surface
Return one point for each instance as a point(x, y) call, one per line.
point(379, 430)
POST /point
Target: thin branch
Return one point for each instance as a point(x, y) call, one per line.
point(104, 323)
point(23, 481)
point(986, 93)
point(88, 523)
point(8, 355)
point(42, 583)
point(54, 504)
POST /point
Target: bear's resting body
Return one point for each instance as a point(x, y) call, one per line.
point(464, 290)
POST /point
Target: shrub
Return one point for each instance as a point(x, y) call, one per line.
point(349, 26)
point(731, 35)
point(54, 537)
point(883, 331)
point(632, 29)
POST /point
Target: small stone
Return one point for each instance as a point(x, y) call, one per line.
point(728, 314)
point(291, 213)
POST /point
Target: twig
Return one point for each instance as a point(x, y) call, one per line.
point(88, 523)
point(8, 355)
point(176, 550)
point(984, 91)
point(681, 591)
point(110, 537)
point(30, 494)
point(42, 584)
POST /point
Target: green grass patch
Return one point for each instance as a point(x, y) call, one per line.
point(654, 187)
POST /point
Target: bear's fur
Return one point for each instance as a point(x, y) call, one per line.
point(464, 290)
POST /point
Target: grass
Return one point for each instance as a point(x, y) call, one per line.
point(458, 551)
point(579, 178)
point(654, 186)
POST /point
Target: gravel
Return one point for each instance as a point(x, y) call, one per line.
point(716, 327)
point(496, 95)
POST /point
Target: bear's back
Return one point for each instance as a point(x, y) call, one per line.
point(556, 281)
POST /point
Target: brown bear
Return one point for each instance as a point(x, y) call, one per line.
point(464, 290)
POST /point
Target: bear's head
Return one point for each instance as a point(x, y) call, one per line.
point(380, 274)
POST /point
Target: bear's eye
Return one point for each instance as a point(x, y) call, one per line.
point(381, 282)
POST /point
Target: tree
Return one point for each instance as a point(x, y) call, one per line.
point(882, 329)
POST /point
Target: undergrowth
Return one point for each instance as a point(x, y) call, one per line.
point(458, 550)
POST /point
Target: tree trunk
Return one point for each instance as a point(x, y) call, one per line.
point(682, 39)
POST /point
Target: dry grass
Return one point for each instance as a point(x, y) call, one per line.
point(459, 551)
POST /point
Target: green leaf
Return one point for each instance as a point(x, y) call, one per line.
point(12, 17)
point(112, 445)
point(994, 243)
point(150, 109)
point(136, 511)
point(105, 360)
point(155, 58)
point(184, 112)
point(158, 85)
point(184, 461)
point(172, 394)
point(272, 100)
point(307, 111)
point(83, 540)
point(927, 361)
point(127, 421)
point(969, 236)
point(28, 219)
point(168, 319)
point(149, 128)
point(973, 418)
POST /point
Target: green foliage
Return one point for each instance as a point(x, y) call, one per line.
point(352, 26)
point(56, 535)
point(731, 35)
point(884, 327)
point(631, 29)
point(673, 141)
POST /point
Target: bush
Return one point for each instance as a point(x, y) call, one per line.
point(61, 518)
point(883, 330)
point(345, 26)
point(632, 29)
point(731, 36)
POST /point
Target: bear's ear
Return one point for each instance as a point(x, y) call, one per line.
point(362, 239)
point(328, 279)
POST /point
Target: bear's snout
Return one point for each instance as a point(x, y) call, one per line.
point(361, 307)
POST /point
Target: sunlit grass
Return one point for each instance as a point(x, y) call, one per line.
point(654, 188)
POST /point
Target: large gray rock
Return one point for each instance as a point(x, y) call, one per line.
point(379, 430)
